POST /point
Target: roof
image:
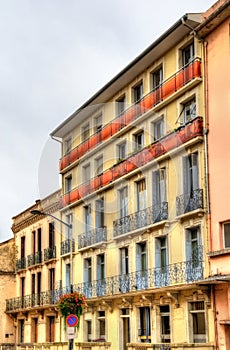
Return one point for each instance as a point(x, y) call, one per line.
point(156, 50)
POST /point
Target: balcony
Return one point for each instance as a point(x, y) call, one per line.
point(93, 237)
point(66, 247)
point(20, 264)
point(170, 275)
point(49, 253)
point(140, 219)
point(34, 259)
point(158, 148)
point(189, 202)
point(166, 89)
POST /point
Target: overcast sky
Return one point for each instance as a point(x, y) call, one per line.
point(54, 55)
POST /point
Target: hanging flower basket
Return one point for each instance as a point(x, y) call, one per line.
point(72, 303)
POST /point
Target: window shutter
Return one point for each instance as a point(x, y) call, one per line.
point(138, 257)
point(186, 176)
point(162, 186)
point(123, 261)
point(157, 252)
point(188, 246)
point(194, 161)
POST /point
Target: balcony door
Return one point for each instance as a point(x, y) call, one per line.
point(124, 281)
point(161, 261)
point(190, 181)
point(194, 266)
point(141, 266)
point(88, 277)
point(101, 283)
point(159, 193)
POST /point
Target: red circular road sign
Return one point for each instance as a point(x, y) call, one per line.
point(71, 320)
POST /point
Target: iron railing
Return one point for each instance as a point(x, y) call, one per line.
point(20, 264)
point(92, 237)
point(66, 246)
point(49, 253)
point(34, 259)
point(140, 219)
point(189, 201)
point(173, 274)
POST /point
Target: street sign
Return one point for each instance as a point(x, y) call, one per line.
point(71, 320)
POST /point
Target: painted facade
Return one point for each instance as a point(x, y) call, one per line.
point(133, 181)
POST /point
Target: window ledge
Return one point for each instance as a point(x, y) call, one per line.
point(219, 252)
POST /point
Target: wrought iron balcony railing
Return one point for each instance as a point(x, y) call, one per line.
point(20, 264)
point(159, 94)
point(173, 274)
point(66, 246)
point(189, 202)
point(140, 219)
point(158, 148)
point(34, 259)
point(49, 253)
point(92, 237)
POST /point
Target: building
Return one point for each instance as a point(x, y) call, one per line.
point(215, 32)
point(133, 172)
point(7, 287)
point(31, 304)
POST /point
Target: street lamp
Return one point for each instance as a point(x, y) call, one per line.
point(70, 226)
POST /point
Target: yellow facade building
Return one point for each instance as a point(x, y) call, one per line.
point(133, 182)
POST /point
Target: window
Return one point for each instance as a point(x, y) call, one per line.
point(144, 331)
point(34, 330)
point(165, 323)
point(137, 92)
point(190, 174)
point(86, 173)
point(139, 140)
point(99, 165)
point(23, 239)
point(99, 215)
point(125, 316)
point(89, 330)
point(226, 233)
point(98, 123)
point(194, 268)
point(141, 194)
point(158, 129)
point(124, 269)
point(67, 145)
point(88, 217)
point(157, 78)
point(101, 324)
point(88, 277)
point(68, 184)
point(67, 276)
point(21, 326)
point(51, 235)
point(69, 221)
point(161, 262)
point(51, 279)
point(189, 111)
point(121, 151)
point(101, 285)
point(85, 132)
point(141, 266)
point(39, 245)
point(187, 54)
point(124, 257)
point(50, 329)
point(120, 105)
point(123, 202)
point(197, 313)
point(159, 194)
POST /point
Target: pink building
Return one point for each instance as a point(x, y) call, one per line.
point(215, 30)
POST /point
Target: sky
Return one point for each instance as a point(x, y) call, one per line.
point(54, 55)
